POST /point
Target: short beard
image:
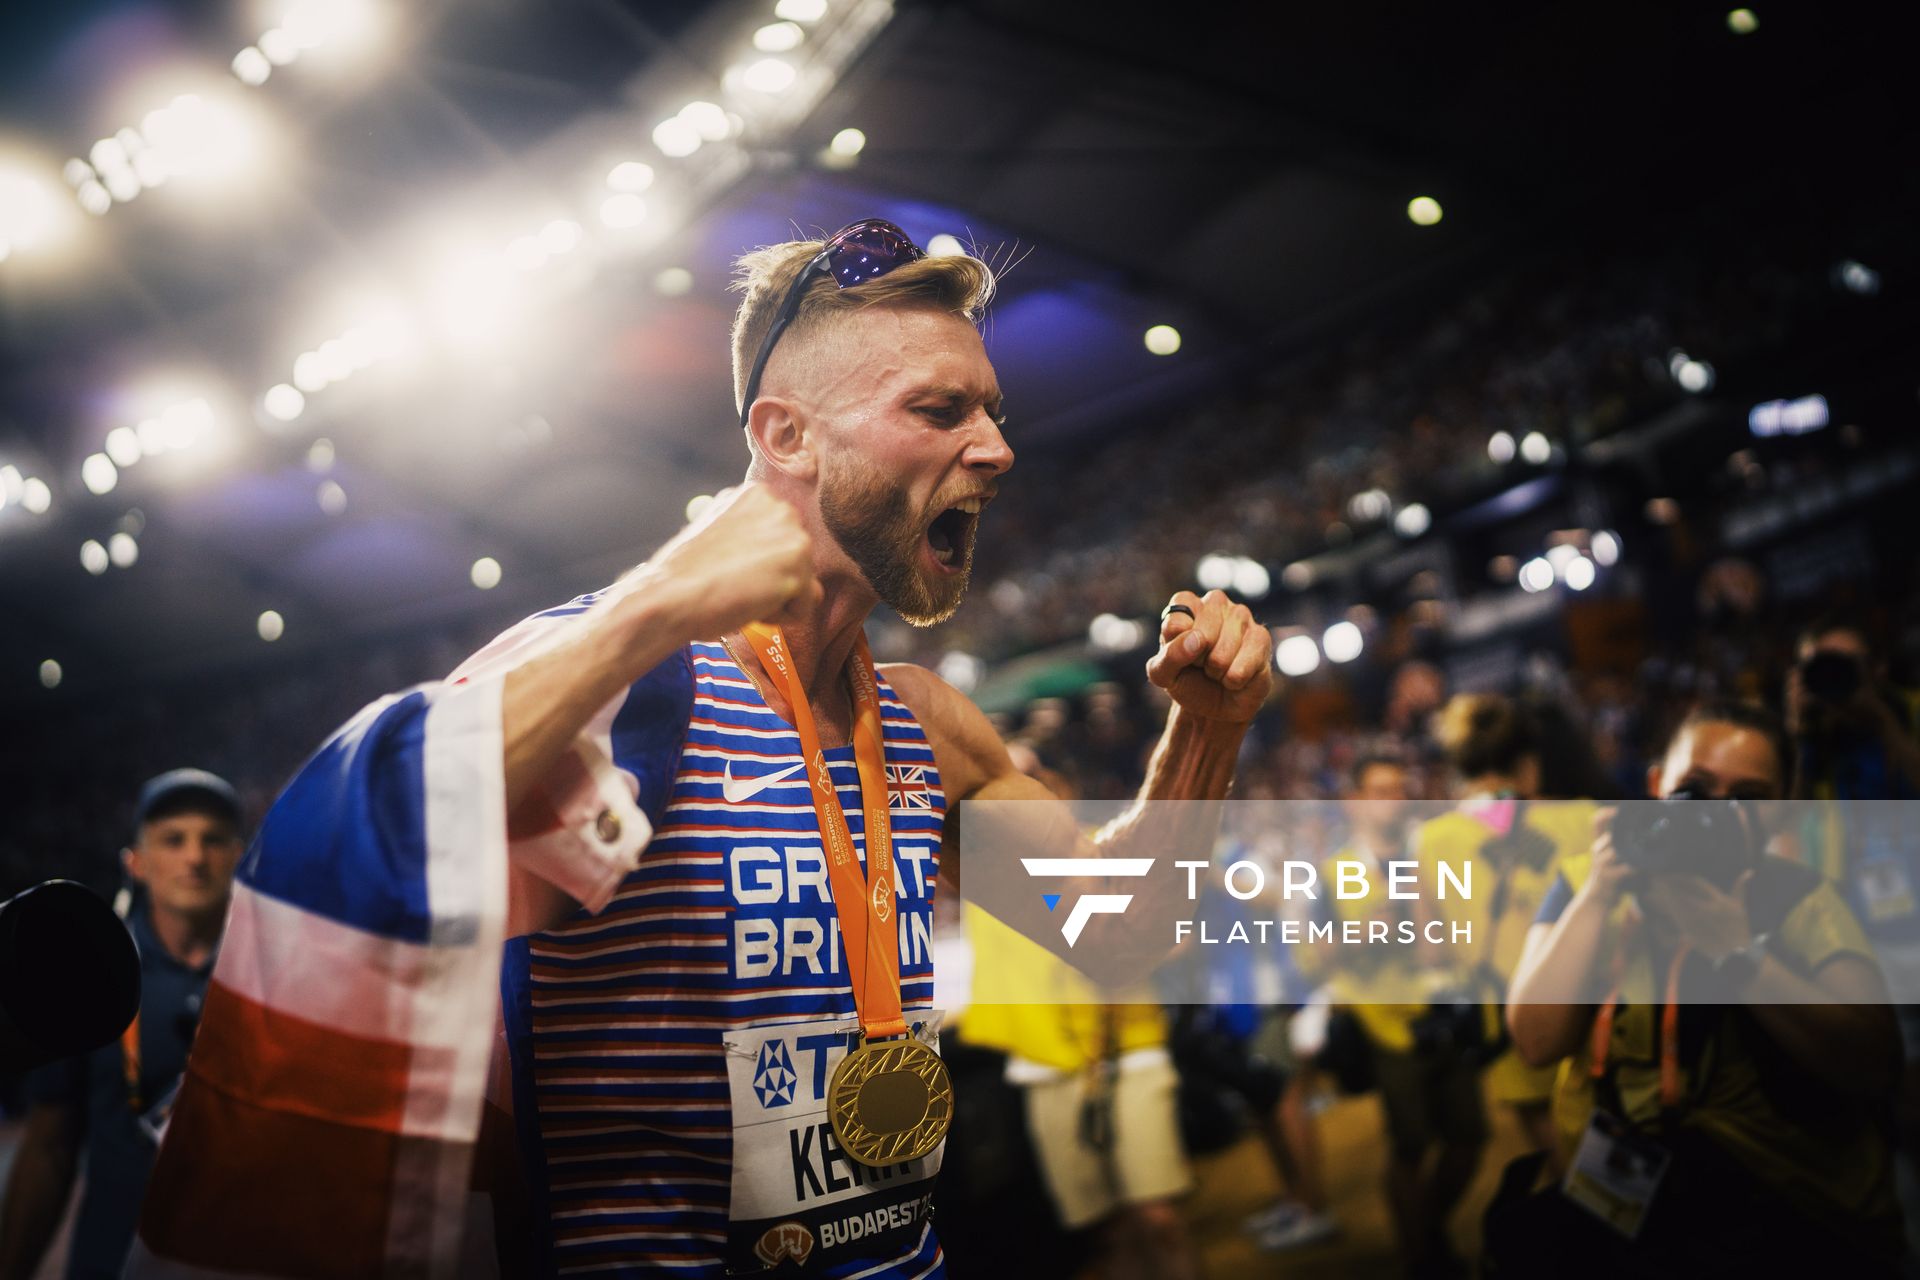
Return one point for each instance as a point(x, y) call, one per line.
point(871, 521)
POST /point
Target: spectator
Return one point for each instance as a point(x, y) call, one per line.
point(113, 1103)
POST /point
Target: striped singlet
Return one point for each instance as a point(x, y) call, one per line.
point(727, 922)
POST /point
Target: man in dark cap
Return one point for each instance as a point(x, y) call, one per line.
point(112, 1103)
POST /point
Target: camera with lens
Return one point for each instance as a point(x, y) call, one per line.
point(1832, 677)
point(1688, 834)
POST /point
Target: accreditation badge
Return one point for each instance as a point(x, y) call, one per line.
point(800, 1200)
point(1615, 1173)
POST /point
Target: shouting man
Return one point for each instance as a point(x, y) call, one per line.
point(719, 1056)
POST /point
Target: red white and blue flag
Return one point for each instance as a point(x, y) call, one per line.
point(328, 1119)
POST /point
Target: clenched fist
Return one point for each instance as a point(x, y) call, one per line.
point(1218, 663)
point(746, 559)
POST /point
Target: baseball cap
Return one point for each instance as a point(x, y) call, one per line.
point(211, 787)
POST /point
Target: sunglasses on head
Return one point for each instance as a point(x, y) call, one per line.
point(855, 254)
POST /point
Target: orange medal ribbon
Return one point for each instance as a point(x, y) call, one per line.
point(865, 906)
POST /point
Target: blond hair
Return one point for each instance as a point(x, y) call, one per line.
point(957, 284)
point(1484, 733)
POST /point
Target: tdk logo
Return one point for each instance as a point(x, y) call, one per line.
point(773, 1075)
point(1089, 904)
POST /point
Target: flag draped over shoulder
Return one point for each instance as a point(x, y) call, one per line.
point(327, 1121)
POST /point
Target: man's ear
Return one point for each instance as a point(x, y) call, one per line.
point(132, 863)
point(778, 431)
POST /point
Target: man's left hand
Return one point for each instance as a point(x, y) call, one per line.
point(1710, 919)
point(1217, 664)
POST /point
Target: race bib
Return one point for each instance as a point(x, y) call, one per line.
point(1615, 1173)
point(798, 1201)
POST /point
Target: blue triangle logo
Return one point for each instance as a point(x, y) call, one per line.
point(1051, 899)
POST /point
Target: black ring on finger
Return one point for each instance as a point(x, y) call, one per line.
point(1172, 609)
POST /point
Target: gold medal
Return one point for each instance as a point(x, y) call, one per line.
point(890, 1102)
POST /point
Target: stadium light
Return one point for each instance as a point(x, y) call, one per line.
point(1297, 655)
point(1742, 22)
point(1579, 573)
point(801, 10)
point(123, 550)
point(1606, 547)
point(93, 557)
point(485, 573)
point(1423, 211)
point(35, 496)
point(946, 246)
point(630, 175)
point(270, 625)
point(1342, 642)
point(851, 142)
point(1162, 339)
point(50, 674)
point(1412, 520)
point(99, 474)
point(779, 37)
point(1536, 574)
point(676, 138)
point(1535, 448)
point(1500, 448)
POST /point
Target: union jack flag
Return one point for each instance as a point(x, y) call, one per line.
point(907, 787)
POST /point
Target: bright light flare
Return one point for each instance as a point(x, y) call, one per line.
point(123, 446)
point(1412, 520)
point(673, 282)
point(946, 246)
point(123, 550)
point(1343, 642)
point(99, 474)
point(630, 175)
point(270, 625)
point(849, 142)
point(1536, 448)
point(1297, 655)
point(50, 674)
point(251, 67)
point(35, 496)
point(1536, 574)
point(707, 120)
point(29, 212)
point(1742, 22)
point(676, 138)
point(1162, 339)
point(1423, 211)
point(768, 76)
point(1606, 547)
point(1500, 448)
point(778, 37)
point(1579, 573)
point(801, 10)
point(623, 211)
point(485, 573)
point(93, 557)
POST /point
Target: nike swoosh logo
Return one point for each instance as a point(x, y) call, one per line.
point(739, 790)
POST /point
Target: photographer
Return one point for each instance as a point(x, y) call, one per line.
point(1851, 741)
point(1733, 1054)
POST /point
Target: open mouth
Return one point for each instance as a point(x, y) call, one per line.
point(951, 532)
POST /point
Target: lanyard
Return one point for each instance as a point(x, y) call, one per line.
point(1670, 1092)
point(130, 1059)
point(865, 908)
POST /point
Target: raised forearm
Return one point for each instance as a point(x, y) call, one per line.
point(549, 699)
point(1550, 1003)
point(1194, 758)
